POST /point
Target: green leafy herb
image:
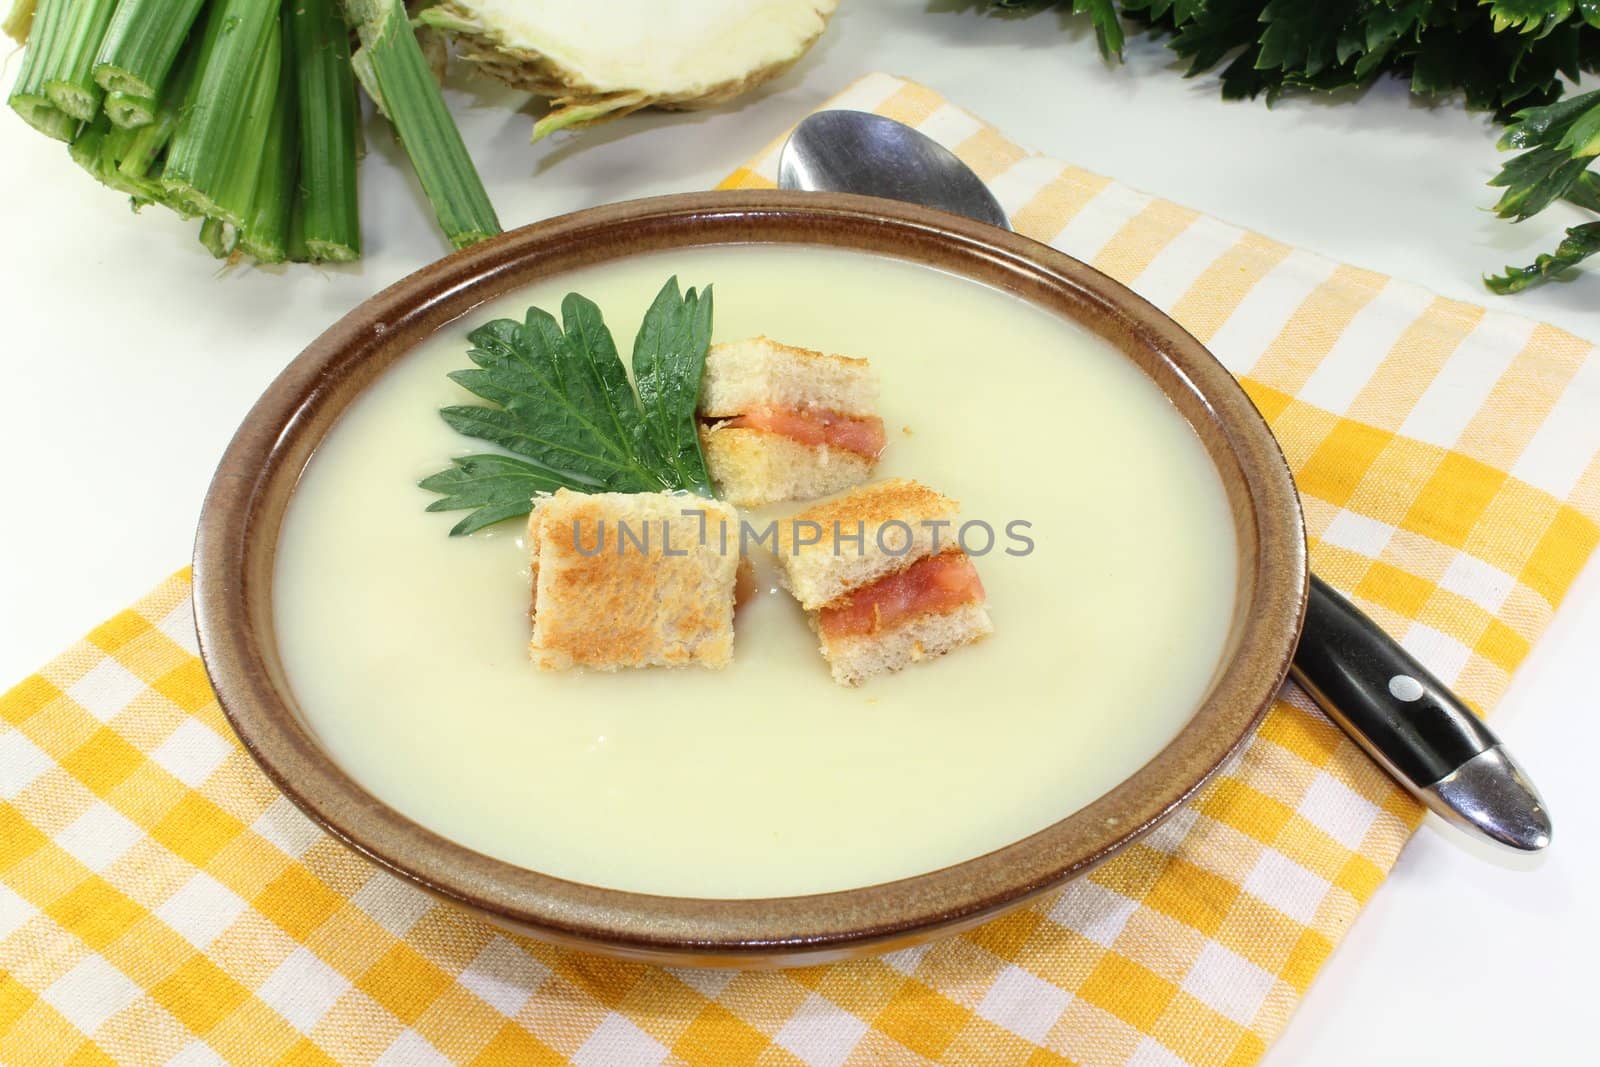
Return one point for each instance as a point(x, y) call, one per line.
point(564, 410)
point(1107, 27)
point(1102, 15)
point(669, 359)
point(1512, 57)
point(1580, 243)
point(1558, 142)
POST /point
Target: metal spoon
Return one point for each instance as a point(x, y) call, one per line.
point(1407, 720)
point(858, 152)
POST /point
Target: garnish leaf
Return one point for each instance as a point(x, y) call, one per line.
point(498, 487)
point(559, 401)
point(546, 412)
point(596, 379)
point(669, 360)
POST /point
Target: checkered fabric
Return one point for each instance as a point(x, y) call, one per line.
point(161, 903)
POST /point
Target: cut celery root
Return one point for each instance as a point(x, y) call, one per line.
point(602, 61)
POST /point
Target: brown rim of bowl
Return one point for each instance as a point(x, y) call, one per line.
point(239, 526)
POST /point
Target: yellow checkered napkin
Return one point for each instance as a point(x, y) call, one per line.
point(161, 903)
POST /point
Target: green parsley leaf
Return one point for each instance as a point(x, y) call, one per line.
point(1102, 15)
point(564, 410)
point(1301, 38)
point(498, 487)
point(1585, 192)
point(1528, 16)
point(1560, 142)
point(1580, 243)
point(669, 360)
point(1107, 27)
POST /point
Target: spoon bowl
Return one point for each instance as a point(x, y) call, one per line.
point(858, 152)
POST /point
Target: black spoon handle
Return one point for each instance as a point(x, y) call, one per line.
point(1389, 701)
point(1411, 723)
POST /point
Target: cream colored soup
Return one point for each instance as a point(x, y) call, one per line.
point(406, 648)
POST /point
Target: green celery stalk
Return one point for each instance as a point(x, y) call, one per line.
point(118, 143)
point(70, 85)
point(127, 109)
point(99, 147)
point(151, 139)
point(43, 116)
point(367, 78)
point(214, 236)
point(40, 61)
point(19, 21)
point(235, 196)
point(216, 150)
point(330, 218)
point(142, 44)
point(298, 251)
point(408, 95)
point(87, 147)
point(265, 232)
point(330, 133)
point(119, 140)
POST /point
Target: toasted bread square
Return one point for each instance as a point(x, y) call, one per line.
point(820, 558)
point(630, 580)
point(752, 468)
point(854, 659)
point(758, 372)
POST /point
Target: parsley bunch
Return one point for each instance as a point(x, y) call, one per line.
point(1512, 57)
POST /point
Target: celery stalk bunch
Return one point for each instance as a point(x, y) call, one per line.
point(242, 114)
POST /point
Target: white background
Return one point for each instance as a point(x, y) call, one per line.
point(128, 361)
